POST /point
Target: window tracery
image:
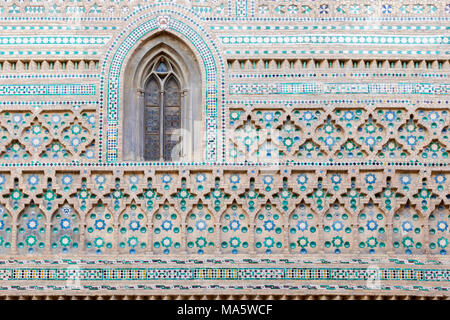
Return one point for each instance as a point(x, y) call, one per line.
point(162, 115)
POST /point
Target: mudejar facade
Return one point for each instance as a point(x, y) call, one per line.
point(230, 147)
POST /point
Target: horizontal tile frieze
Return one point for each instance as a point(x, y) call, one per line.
point(85, 54)
point(49, 76)
point(348, 27)
point(243, 165)
point(338, 88)
point(53, 40)
point(437, 53)
point(218, 289)
point(349, 39)
point(313, 75)
point(223, 260)
point(47, 89)
point(224, 273)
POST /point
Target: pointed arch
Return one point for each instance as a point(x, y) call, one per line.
point(5, 231)
point(303, 230)
point(133, 230)
point(193, 35)
point(372, 224)
point(65, 230)
point(99, 233)
point(200, 228)
point(337, 229)
point(234, 230)
point(31, 229)
point(269, 230)
point(438, 229)
point(162, 115)
point(408, 230)
point(167, 230)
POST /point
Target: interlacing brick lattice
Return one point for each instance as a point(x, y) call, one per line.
point(199, 210)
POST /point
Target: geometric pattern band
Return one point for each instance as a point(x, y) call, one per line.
point(223, 273)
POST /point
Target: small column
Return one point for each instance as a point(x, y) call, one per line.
point(82, 230)
point(389, 237)
point(116, 240)
point(140, 97)
point(14, 232)
point(217, 237)
point(47, 241)
point(185, 144)
point(251, 239)
point(161, 127)
point(286, 237)
point(150, 237)
point(321, 237)
point(183, 232)
point(426, 237)
point(354, 244)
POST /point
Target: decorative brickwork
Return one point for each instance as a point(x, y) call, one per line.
point(324, 162)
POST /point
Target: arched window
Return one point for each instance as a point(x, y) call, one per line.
point(162, 114)
point(162, 103)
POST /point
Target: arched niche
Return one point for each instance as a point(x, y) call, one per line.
point(138, 69)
